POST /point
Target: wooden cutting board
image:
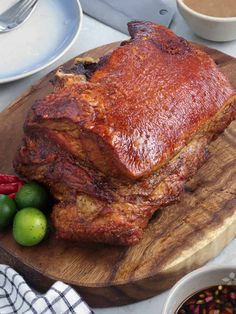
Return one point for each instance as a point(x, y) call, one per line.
point(179, 239)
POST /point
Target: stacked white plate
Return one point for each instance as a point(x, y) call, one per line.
point(41, 40)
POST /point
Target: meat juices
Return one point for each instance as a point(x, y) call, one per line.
point(118, 139)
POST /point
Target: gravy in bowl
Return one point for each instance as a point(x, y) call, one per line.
point(216, 8)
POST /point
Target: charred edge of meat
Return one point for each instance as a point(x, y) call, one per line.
point(175, 46)
point(83, 67)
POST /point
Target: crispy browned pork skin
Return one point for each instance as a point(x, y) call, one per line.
point(119, 138)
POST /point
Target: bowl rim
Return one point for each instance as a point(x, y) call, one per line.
point(190, 276)
point(204, 16)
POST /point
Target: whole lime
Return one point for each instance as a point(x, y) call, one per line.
point(29, 226)
point(7, 210)
point(32, 195)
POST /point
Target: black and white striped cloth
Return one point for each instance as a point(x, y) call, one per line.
point(17, 297)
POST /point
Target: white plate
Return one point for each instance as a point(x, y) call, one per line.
point(41, 40)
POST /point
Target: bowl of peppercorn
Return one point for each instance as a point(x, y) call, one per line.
point(208, 290)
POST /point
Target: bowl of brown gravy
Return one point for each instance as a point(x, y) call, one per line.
point(210, 19)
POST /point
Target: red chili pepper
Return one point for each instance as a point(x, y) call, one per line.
point(20, 184)
point(9, 188)
point(5, 178)
point(9, 185)
point(12, 195)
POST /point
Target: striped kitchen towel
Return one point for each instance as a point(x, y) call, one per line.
point(17, 297)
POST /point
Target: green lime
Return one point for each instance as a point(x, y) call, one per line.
point(29, 226)
point(32, 195)
point(7, 210)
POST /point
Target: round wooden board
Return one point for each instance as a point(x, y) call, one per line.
point(179, 238)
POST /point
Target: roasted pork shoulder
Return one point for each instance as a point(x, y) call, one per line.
point(120, 136)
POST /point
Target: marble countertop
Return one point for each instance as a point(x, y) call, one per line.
point(94, 34)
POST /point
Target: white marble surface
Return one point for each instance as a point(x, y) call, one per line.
point(95, 34)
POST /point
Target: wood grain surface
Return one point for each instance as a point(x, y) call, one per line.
point(179, 238)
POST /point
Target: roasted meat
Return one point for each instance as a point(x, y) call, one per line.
point(120, 136)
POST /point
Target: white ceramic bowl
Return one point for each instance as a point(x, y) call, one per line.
point(198, 280)
point(208, 27)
